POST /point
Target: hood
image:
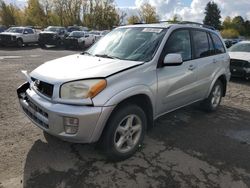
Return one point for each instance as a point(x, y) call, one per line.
point(74, 37)
point(240, 55)
point(9, 33)
point(48, 32)
point(75, 67)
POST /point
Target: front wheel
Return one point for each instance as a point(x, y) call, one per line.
point(211, 103)
point(124, 133)
point(19, 43)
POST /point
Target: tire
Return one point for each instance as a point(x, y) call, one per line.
point(19, 43)
point(60, 43)
point(121, 138)
point(42, 45)
point(82, 45)
point(213, 101)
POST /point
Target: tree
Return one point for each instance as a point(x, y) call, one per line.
point(148, 13)
point(101, 14)
point(227, 23)
point(230, 33)
point(34, 13)
point(212, 15)
point(9, 14)
point(239, 24)
point(133, 20)
point(176, 18)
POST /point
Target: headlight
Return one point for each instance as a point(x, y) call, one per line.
point(80, 40)
point(247, 70)
point(82, 89)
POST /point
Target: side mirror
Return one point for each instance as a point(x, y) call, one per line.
point(172, 60)
point(25, 32)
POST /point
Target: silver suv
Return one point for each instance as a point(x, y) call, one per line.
point(113, 92)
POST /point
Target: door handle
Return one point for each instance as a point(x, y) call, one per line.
point(191, 67)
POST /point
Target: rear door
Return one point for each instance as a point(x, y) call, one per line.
point(203, 55)
point(176, 84)
point(213, 61)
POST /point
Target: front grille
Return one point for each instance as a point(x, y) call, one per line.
point(44, 87)
point(36, 114)
point(46, 36)
point(238, 63)
point(5, 38)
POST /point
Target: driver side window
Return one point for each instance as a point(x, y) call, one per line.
point(179, 42)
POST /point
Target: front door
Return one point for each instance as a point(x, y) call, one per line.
point(177, 84)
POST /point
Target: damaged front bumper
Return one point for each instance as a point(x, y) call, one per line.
point(50, 116)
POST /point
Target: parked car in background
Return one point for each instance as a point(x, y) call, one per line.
point(2, 28)
point(113, 92)
point(228, 42)
point(18, 36)
point(79, 39)
point(96, 34)
point(105, 32)
point(52, 35)
point(76, 28)
point(240, 60)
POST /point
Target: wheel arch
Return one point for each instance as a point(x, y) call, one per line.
point(223, 79)
point(142, 100)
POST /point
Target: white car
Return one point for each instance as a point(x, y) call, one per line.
point(79, 39)
point(18, 36)
point(240, 60)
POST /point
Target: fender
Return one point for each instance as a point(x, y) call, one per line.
point(222, 72)
point(130, 92)
point(110, 105)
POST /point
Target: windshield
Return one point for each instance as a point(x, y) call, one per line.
point(15, 30)
point(76, 34)
point(240, 47)
point(53, 29)
point(135, 44)
point(94, 33)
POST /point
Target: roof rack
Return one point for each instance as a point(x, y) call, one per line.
point(197, 24)
point(189, 23)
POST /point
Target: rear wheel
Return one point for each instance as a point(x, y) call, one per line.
point(124, 133)
point(213, 101)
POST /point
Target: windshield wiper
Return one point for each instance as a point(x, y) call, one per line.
point(106, 56)
point(86, 52)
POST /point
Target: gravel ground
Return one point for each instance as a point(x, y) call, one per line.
point(186, 148)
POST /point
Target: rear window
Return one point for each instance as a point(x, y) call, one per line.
point(218, 45)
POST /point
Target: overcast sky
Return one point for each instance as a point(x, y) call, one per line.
point(189, 10)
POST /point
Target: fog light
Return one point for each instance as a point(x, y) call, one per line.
point(70, 125)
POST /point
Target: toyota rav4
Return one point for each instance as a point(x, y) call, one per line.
point(113, 92)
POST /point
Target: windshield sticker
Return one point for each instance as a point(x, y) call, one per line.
point(152, 30)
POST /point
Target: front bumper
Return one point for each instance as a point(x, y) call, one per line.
point(48, 41)
point(8, 42)
point(49, 116)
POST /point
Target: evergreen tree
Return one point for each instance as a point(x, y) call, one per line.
point(212, 15)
